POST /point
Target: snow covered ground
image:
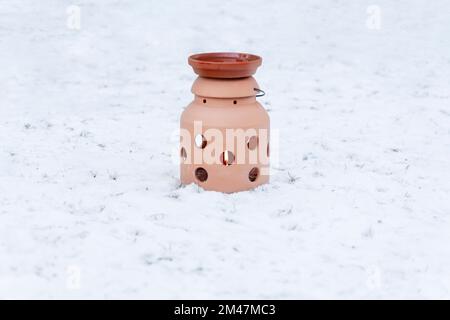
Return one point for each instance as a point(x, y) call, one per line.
point(90, 202)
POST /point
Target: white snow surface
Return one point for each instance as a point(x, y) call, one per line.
point(91, 204)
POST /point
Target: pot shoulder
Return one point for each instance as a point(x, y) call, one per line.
point(249, 115)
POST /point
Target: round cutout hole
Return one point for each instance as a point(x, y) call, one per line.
point(183, 154)
point(252, 142)
point(227, 158)
point(201, 174)
point(234, 102)
point(200, 141)
point(253, 174)
point(204, 100)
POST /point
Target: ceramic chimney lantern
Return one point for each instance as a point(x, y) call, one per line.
point(224, 143)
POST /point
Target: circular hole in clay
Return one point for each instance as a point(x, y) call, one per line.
point(227, 158)
point(204, 100)
point(252, 142)
point(201, 174)
point(234, 102)
point(200, 141)
point(253, 174)
point(183, 154)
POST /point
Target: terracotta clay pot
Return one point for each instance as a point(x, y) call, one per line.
point(225, 131)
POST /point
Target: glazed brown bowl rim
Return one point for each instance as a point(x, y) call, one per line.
point(225, 65)
point(250, 58)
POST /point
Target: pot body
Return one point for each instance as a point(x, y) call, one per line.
point(224, 136)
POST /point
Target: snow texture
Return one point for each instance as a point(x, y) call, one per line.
point(90, 201)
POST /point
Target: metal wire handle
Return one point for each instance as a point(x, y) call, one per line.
point(260, 93)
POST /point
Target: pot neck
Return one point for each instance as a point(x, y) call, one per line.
point(225, 88)
point(224, 102)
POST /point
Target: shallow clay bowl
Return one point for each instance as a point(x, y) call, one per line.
point(225, 64)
